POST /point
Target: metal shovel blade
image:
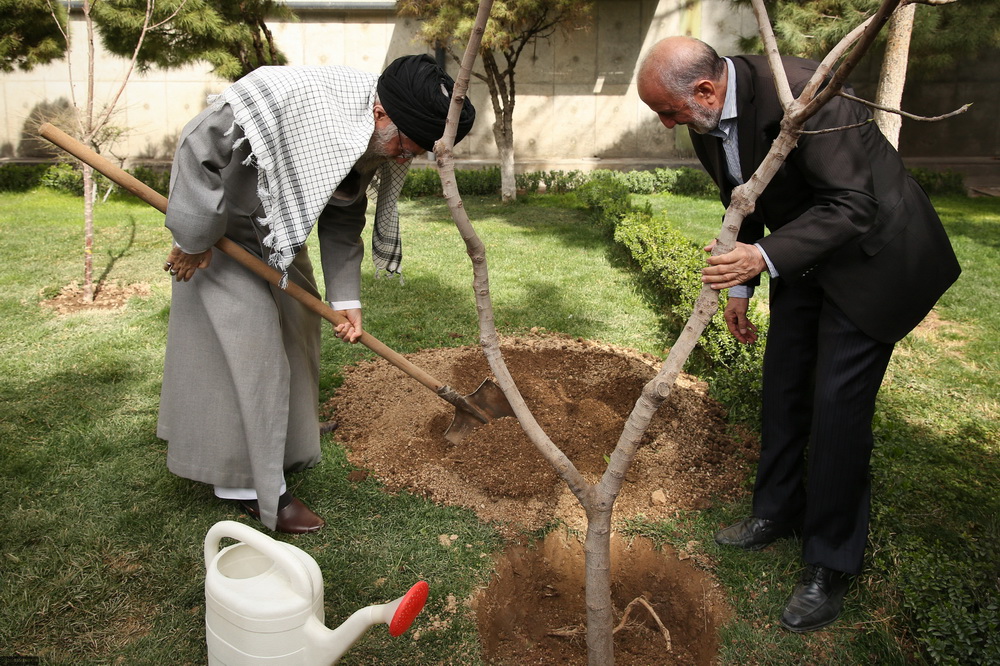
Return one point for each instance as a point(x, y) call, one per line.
point(481, 406)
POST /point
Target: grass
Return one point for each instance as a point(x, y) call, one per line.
point(102, 548)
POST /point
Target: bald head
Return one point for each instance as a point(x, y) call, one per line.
point(675, 64)
point(683, 80)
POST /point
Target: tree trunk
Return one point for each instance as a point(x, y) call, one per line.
point(508, 186)
point(893, 76)
point(597, 589)
point(505, 146)
point(88, 233)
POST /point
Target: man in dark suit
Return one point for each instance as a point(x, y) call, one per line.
point(857, 257)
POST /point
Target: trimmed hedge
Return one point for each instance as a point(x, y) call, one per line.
point(939, 182)
point(21, 177)
point(671, 264)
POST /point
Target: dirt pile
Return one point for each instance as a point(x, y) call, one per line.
point(581, 393)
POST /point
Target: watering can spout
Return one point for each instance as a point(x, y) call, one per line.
point(331, 644)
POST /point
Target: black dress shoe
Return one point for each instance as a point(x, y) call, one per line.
point(817, 600)
point(294, 517)
point(754, 533)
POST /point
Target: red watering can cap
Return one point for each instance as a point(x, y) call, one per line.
point(411, 605)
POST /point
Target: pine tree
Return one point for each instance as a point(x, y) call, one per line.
point(29, 34)
point(232, 36)
point(941, 34)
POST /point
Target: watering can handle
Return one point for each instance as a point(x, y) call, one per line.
point(276, 550)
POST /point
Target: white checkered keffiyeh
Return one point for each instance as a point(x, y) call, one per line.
point(307, 127)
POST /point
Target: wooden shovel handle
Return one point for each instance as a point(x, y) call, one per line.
point(234, 250)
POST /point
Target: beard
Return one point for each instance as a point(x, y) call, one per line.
point(378, 152)
point(703, 120)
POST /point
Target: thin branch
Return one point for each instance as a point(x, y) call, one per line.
point(568, 631)
point(865, 42)
point(147, 26)
point(831, 59)
point(900, 112)
point(785, 96)
point(489, 339)
point(69, 67)
point(838, 129)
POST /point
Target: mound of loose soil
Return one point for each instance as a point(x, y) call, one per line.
point(581, 393)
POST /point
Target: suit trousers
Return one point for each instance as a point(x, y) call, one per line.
point(821, 375)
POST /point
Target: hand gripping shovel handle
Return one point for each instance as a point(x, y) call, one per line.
point(254, 264)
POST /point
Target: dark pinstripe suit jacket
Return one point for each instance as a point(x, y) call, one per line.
point(841, 205)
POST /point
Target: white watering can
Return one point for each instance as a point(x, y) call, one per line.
point(264, 604)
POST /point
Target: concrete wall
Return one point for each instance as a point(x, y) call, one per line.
point(576, 98)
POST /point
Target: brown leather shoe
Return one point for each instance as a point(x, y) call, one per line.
point(294, 517)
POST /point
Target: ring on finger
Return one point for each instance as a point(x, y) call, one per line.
point(173, 271)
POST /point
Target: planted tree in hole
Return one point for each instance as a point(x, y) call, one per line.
point(598, 499)
point(512, 27)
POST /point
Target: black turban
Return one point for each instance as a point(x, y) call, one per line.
point(416, 93)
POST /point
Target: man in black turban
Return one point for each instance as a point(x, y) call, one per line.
point(416, 93)
point(280, 151)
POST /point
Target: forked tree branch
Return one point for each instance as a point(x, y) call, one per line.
point(598, 500)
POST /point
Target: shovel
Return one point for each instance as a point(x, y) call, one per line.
point(481, 406)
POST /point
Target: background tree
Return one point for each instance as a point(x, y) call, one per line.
point(921, 38)
point(512, 26)
point(232, 36)
point(28, 36)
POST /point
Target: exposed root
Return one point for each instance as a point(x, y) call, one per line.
point(579, 629)
point(642, 600)
point(569, 632)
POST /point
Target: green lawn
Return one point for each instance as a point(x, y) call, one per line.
point(102, 548)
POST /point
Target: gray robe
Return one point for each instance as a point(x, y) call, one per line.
point(240, 397)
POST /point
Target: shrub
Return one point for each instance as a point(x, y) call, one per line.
point(665, 180)
point(528, 182)
point(939, 182)
point(427, 183)
point(65, 178)
point(156, 178)
point(560, 182)
point(671, 264)
point(21, 177)
point(478, 182)
point(665, 255)
point(945, 592)
point(683, 181)
point(694, 183)
point(607, 197)
point(641, 182)
point(421, 183)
